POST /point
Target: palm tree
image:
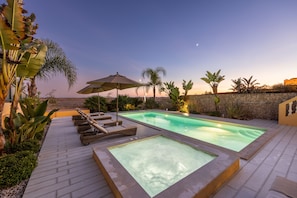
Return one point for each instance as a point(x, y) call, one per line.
point(155, 79)
point(55, 62)
point(213, 79)
point(250, 84)
point(238, 86)
point(187, 87)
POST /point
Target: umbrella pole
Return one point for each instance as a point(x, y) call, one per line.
point(99, 104)
point(117, 106)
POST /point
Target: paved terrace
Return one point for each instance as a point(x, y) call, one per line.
point(66, 169)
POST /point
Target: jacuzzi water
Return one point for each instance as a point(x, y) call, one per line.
point(159, 162)
point(234, 137)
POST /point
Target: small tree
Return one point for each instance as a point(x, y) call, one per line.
point(155, 79)
point(250, 84)
point(213, 79)
point(173, 93)
point(238, 85)
point(187, 86)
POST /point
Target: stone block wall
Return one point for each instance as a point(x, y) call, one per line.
point(258, 105)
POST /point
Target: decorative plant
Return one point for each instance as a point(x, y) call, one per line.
point(187, 86)
point(29, 123)
point(249, 84)
point(92, 104)
point(213, 79)
point(21, 55)
point(236, 111)
point(151, 104)
point(125, 103)
point(238, 85)
point(173, 93)
point(16, 167)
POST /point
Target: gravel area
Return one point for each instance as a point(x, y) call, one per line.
point(16, 191)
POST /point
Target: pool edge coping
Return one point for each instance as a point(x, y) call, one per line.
point(246, 153)
point(213, 174)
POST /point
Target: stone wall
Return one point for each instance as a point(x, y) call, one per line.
point(66, 103)
point(257, 105)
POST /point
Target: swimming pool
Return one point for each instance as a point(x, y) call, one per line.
point(156, 171)
point(230, 136)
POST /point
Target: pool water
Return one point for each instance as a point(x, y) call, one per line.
point(234, 137)
point(159, 162)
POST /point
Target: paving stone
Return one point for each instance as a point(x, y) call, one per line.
point(273, 158)
point(44, 173)
point(258, 178)
point(246, 193)
point(86, 175)
point(84, 186)
point(284, 163)
point(48, 195)
point(266, 187)
point(260, 157)
point(226, 191)
point(104, 192)
point(34, 185)
point(242, 176)
point(40, 192)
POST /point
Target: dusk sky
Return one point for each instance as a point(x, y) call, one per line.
point(186, 38)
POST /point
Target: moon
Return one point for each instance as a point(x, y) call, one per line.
point(197, 44)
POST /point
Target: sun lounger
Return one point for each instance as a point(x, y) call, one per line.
point(282, 187)
point(86, 127)
point(101, 117)
point(96, 114)
point(100, 132)
point(85, 116)
point(89, 114)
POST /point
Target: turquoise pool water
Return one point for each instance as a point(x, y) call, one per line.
point(234, 137)
point(159, 162)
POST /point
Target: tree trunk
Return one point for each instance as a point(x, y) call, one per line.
point(2, 137)
point(32, 88)
point(154, 93)
point(215, 89)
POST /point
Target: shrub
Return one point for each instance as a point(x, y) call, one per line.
point(92, 104)
point(16, 168)
point(151, 104)
point(214, 113)
point(28, 124)
point(125, 103)
point(29, 145)
point(236, 111)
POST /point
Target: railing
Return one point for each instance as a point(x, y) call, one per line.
point(287, 112)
